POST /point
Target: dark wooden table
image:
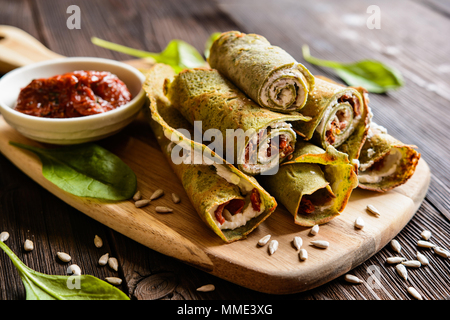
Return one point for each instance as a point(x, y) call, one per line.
point(413, 37)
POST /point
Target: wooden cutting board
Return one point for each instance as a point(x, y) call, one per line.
point(183, 235)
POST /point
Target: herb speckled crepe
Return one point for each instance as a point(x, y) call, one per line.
point(325, 178)
point(266, 73)
point(205, 95)
point(204, 187)
point(385, 162)
point(325, 101)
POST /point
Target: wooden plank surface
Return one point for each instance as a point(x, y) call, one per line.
point(411, 38)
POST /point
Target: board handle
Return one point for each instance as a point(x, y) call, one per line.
point(18, 48)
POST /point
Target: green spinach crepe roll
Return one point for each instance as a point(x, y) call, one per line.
point(315, 185)
point(385, 162)
point(231, 203)
point(253, 138)
point(340, 117)
point(266, 73)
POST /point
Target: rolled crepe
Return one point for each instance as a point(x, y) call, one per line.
point(254, 139)
point(385, 162)
point(231, 203)
point(266, 73)
point(315, 185)
point(340, 117)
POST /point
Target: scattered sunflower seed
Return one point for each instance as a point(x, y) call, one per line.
point(426, 235)
point(263, 241)
point(273, 246)
point(163, 210)
point(414, 293)
point(113, 263)
point(314, 230)
point(320, 244)
point(359, 223)
point(98, 242)
point(137, 196)
point(441, 252)
point(64, 257)
point(114, 280)
point(412, 263)
point(206, 288)
point(401, 270)
point(103, 259)
point(425, 244)
point(395, 260)
point(423, 260)
point(158, 193)
point(141, 203)
point(74, 270)
point(28, 245)
point(4, 236)
point(352, 279)
point(175, 198)
point(303, 254)
point(298, 242)
point(395, 245)
point(373, 210)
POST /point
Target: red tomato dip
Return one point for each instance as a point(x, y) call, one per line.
point(75, 94)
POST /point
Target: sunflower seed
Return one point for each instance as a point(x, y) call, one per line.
point(359, 223)
point(423, 260)
point(373, 210)
point(175, 198)
point(103, 259)
point(113, 263)
point(163, 210)
point(4, 236)
point(395, 245)
point(263, 241)
point(303, 254)
point(352, 279)
point(314, 230)
point(206, 288)
point(401, 270)
point(98, 242)
point(28, 245)
point(273, 246)
point(141, 203)
point(137, 196)
point(414, 293)
point(412, 263)
point(320, 244)
point(425, 244)
point(157, 194)
point(441, 252)
point(74, 270)
point(64, 257)
point(395, 260)
point(298, 242)
point(426, 235)
point(114, 280)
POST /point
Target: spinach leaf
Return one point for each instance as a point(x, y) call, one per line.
point(40, 286)
point(86, 170)
point(209, 43)
point(370, 74)
point(178, 54)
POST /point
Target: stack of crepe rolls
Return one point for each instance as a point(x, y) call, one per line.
point(253, 138)
point(385, 162)
point(340, 117)
point(267, 74)
point(229, 202)
point(315, 185)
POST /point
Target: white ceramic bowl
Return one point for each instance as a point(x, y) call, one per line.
point(71, 130)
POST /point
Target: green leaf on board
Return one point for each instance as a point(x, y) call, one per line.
point(178, 54)
point(373, 75)
point(40, 286)
point(86, 170)
point(209, 43)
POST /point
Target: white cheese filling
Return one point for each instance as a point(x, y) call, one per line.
point(391, 162)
